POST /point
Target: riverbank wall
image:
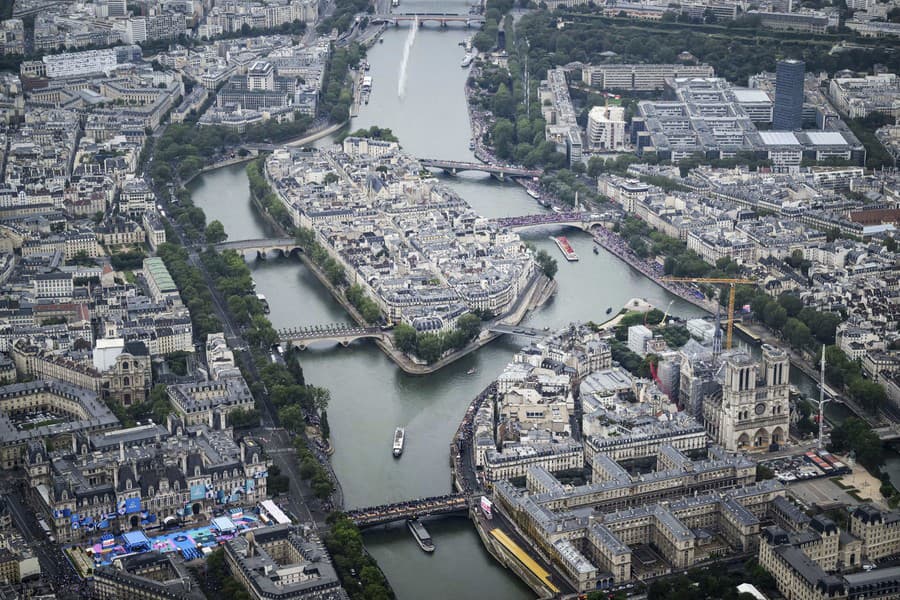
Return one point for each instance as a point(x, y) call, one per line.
point(506, 558)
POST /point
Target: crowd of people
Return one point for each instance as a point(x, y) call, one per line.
point(651, 269)
point(467, 478)
point(401, 508)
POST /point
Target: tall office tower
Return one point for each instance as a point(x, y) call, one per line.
point(117, 8)
point(788, 112)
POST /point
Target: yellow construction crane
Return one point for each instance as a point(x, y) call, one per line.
point(731, 282)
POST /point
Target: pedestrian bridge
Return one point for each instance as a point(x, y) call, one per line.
point(261, 247)
point(442, 19)
point(580, 220)
point(518, 330)
point(410, 509)
point(339, 333)
point(453, 167)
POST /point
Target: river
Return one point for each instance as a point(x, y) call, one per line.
point(370, 395)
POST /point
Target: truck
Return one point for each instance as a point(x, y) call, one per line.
point(487, 507)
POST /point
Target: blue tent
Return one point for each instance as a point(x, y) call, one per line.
point(136, 541)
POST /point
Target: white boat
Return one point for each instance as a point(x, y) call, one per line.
point(399, 440)
point(472, 371)
point(423, 538)
point(533, 193)
point(467, 60)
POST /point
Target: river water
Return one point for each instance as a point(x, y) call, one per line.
point(370, 395)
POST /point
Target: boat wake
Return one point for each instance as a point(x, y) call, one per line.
point(404, 62)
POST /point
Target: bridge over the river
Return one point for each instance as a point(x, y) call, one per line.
point(529, 332)
point(424, 507)
point(443, 19)
point(338, 333)
point(889, 433)
point(456, 166)
point(261, 246)
point(580, 220)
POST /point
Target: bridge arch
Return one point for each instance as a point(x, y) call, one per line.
point(261, 247)
point(342, 335)
point(253, 254)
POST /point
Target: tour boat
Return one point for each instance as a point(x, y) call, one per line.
point(423, 538)
point(565, 247)
point(472, 371)
point(399, 439)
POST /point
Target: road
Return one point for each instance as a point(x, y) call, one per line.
point(55, 568)
point(274, 436)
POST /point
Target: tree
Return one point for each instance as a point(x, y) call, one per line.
point(868, 393)
point(855, 435)
point(483, 41)
point(797, 333)
point(405, 338)
point(82, 258)
point(596, 166)
point(291, 417)
point(547, 263)
point(764, 472)
point(503, 134)
point(775, 316)
point(215, 233)
point(319, 397)
point(430, 347)
point(321, 486)
point(654, 316)
point(469, 325)
point(323, 425)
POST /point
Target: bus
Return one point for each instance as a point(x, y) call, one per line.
point(47, 531)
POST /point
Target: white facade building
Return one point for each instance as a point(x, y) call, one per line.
point(606, 128)
point(73, 64)
point(638, 336)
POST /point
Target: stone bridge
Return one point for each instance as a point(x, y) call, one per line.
point(339, 333)
point(261, 247)
point(400, 511)
point(580, 220)
point(453, 167)
point(442, 19)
